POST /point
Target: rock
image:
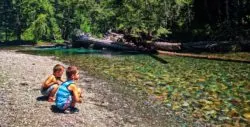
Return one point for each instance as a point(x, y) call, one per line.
point(24, 84)
point(148, 83)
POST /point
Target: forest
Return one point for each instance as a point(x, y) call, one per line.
point(155, 87)
point(178, 20)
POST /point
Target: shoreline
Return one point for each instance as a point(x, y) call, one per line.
point(102, 107)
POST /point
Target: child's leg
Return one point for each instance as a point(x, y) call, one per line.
point(70, 107)
point(73, 109)
point(73, 104)
point(52, 93)
point(67, 104)
point(80, 92)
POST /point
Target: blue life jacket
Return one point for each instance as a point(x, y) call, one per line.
point(63, 94)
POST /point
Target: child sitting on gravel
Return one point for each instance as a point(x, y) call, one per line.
point(50, 86)
point(68, 94)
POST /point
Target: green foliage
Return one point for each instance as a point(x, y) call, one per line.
point(85, 26)
point(163, 31)
point(55, 29)
point(58, 41)
point(43, 24)
point(28, 34)
point(40, 27)
point(139, 17)
point(183, 2)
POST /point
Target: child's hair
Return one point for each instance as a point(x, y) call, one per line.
point(71, 70)
point(58, 67)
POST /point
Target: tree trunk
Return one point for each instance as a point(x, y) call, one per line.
point(18, 25)
point(207, 11)
point(227, 11)
point(219, 10)
point(5, 6)
point(166, 16)
point(56, 6)
point(6, 33)
point(18, 33)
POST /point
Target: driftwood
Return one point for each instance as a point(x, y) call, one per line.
point(100, 44)
point(114, 37)
point(129, 42)
point(167, 46)
point(218, 46)
point(211, 57)
point(117, 42)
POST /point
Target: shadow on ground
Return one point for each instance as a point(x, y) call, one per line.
point(42, 98)
point(54, 109)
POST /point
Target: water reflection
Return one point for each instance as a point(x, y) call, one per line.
point(105, 53)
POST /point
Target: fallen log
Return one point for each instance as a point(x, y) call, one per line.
point(167, 46)
point(128, 42)
point(210, 57)
point(100, 44)
point(211, 46)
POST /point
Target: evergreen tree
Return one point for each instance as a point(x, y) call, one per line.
point(57, 19)
point(43, 24)
point(6, 19)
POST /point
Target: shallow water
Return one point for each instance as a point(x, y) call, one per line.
point(211, 90)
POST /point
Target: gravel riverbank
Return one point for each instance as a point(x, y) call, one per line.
point(21, 103)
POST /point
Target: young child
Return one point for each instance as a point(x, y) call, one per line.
point(68, 94)
point(50, 85)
